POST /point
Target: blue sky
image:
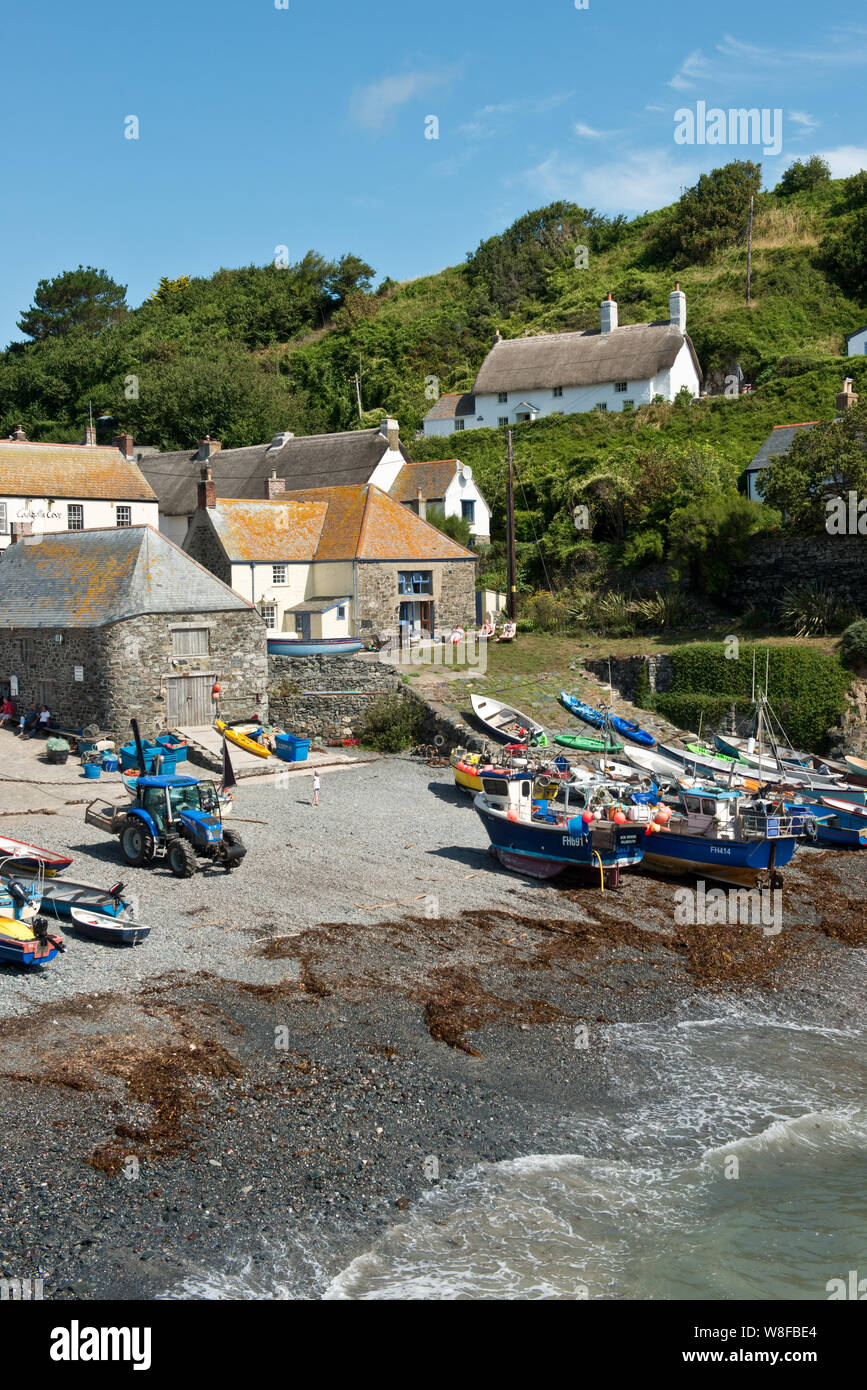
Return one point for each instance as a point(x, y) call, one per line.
point(305, 126)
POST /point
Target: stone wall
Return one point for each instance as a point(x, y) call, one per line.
point(326, 696)
point(378, 601)
point(838, 562)
point(202, 544)
point(124, 668)
point(626, 670)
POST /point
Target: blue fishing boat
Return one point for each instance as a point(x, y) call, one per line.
point(24, 936)
point(61, 896)
point(836, 822)
point(725, 836)
point(543, 835)
point(313, 646)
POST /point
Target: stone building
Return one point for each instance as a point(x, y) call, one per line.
point(335, 561)
point(105, 625)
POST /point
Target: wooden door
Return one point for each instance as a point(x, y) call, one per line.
point(189, 701)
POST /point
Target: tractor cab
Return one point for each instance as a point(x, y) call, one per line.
point(170, 800)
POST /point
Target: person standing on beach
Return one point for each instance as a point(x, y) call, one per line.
point(316, 789)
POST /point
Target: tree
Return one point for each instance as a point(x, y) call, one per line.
point(516, 265)
point(803, 176)
point(711, 214)
point(823, 464)
point(709, 538)
point(843, 254)
point(350, 276)
point(85, 298)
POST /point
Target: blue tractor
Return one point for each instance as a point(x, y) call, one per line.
point(179, 819)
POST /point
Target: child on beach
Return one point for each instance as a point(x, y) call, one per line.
point(316, 789)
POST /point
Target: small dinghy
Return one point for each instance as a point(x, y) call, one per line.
point(99, 927)
point(27, 943)
point(60, 897)
point(241, 738)
point(506, 724)
point(17, 854)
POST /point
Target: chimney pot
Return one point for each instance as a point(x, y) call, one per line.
point(124, 442)
point(847, 398)
point(90, 436)
point(421, 504)
point(19, 435)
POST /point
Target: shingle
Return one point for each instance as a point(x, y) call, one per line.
point(91, 578)
point(70, 470)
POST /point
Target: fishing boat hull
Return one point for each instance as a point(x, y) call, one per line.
point(737, 748)
point(584, 743)
point(242, 740)
point(98, 927)
point(857, 768)
point(19, 946)
point(546, 850)
point(17, 854)
point(314, 646)
point(503, 722)
point(742, 863)
point(466, 771)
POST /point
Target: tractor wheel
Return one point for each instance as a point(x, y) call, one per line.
point(182, 859)
point(231, 837)
point(137, 844)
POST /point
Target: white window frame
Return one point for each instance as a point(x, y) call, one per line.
point(341, 613)
point(127, 512)
point(459, 425)
point(503, 422)
point(266, 609)
point(4, 519)
point(602, 406)
point(621, 385)
point(502, 398)
point(278, 574)
point(78, 509)
point(556, 391)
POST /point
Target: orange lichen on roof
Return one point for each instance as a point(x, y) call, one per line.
point(364, 523)
point(80, 471)
point(433, 478)
point(271, 531)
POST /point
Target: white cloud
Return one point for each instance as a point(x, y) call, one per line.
point(587, 131)
point(641, 181)
point(373, 106)
point(845, 48)
point(846, 160)
point(694, 67)
point(804, 119)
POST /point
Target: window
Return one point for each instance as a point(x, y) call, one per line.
point(75, 517)
point(269, 613)
point(4, 520)
point(436, 506)
point(601, 405)
point(459, 424)
point(299, 622)
point(557, 391)
point(191, 641)
point(123, 516)
point(502, 397)
point(414, 582)
point(621, 385)
point(628, 405)
point(341, 613)
point(278, 574)
point(503, 421)
point(468, 510)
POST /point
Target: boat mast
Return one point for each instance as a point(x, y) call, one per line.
point(512, 580)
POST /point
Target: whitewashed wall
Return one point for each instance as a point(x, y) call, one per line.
point(46, 520)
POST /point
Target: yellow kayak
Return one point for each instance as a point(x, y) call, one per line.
point(242, 740)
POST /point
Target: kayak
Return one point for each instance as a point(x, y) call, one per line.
point(580, 710)
point(587, 744)
point(629, 729)
point(242, 740)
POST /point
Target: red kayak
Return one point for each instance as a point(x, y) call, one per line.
point(17, 854)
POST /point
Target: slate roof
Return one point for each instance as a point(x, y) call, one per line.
point(452, 405)
point(86, 579)
point(78, 471)
point(433, 478)
point(320, 605)
point(633, 352)
point(778, 442)
point(854, 334)
point(314, 460)
point(361, 523)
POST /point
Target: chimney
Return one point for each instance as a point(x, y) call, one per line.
point(207, 492)
point(677, 307)
point(207, 446)
point(390, 429)
point(608, 316)
point(846, 398)
point(278, 440)
point(275, 485)
point(124, 442)
point(498, 338)
point(89, 436)
point(18, 435)
point(422, 505)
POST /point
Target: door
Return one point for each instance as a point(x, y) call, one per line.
point(188, 700)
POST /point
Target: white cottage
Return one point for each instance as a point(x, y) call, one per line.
point(444, 487)
point(856, 343)
point(47, 488)
point(609, 368)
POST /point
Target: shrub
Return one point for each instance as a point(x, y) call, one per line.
point(853, 644)
point(392, 723)
point(710, 537)
point(614, 612)
point(667, 608)
point(803, 176)
point(545, 613)
point(643, 548)
point(814, 610)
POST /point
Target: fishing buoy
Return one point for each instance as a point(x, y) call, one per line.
point(511, 814)
point(618, 817)
point(587, 817)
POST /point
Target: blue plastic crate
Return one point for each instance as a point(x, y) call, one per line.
point(291, 749)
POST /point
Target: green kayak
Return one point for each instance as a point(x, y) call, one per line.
point(703, 752)
point(587, 744)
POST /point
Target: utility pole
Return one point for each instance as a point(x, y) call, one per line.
point(750, 249)
point(512, 580)
point(354, 378)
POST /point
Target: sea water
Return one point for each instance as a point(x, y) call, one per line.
point(727, 1161)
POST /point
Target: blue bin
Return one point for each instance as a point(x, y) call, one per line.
point(110, 762)
point(92, 769)
point(291, 749)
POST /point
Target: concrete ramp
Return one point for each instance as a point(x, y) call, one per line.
point(207, 742)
